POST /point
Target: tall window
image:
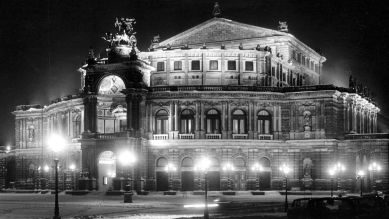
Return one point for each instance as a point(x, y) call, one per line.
point(160, 66)
point(249, 66)
point(161, 122)
point(213, 65)
point(177, 65)
point(196, 65)
point(264, 122)
point(238, 122)
point(231, 65)
point(76, 126)
point(187, 121)
point(213, 121)
point(31, 133)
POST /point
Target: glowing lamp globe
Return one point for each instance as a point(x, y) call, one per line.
point(126, 158)
point(56, 143)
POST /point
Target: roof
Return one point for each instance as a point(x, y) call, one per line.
point(219, 30)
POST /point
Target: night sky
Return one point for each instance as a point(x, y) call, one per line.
point(43, 43)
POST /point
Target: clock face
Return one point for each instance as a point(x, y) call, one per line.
point(111, 85)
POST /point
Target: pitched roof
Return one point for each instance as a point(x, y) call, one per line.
point(219, 30)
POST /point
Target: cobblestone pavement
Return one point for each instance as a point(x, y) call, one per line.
point(154, 205)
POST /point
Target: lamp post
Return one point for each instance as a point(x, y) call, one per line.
point(331, 172)
point(228, 167)
point(339, 168)
point(72, 168)
point(257, 168)
point(360, 175)
point(373, 168)
point(285, 170)
point(170, 168)
point(203, 166)
point(127, 158)
point(56, 143)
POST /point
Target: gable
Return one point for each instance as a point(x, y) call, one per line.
point(219, 30)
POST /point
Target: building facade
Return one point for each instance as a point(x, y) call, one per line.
point(238, 94)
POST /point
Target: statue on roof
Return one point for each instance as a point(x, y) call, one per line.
point(283, 26)
point(216, 10)
point(125, 36)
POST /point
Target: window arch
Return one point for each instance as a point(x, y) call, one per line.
point(239, 122)
point(213, 121)
point(161, 162)
point(187, 121)
point(264, 162)
point(161, 122)
point(187, 162)
point(77, 126)
point(239, 162)
point(264, 122)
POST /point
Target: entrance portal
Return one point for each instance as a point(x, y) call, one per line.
point(106, 170)
point(187, 178)
point(214, 181)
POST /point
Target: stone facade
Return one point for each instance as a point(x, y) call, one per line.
point(233, 92)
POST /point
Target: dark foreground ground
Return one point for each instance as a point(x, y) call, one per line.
point(153, 206)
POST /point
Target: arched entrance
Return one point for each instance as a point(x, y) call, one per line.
point(239, 174)
point(106, 170)
point(187, 175)
point(213, 176)
point(162, 178)
point(264, 176)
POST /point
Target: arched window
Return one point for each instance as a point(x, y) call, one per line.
point(187, 121)
point(213, 121)
point(238, 122)
point(161, 162)
point(264, 162)
point(187, 162)
point(239, 162)
point(161, 122)
point(76, 126)
point(264, 122)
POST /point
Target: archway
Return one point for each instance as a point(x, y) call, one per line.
point(162, 178)
point(265, 175)
point(106, 170)
point(187, 175)
point(239, 174)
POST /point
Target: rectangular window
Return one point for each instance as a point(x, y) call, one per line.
point(196, 65)
point(213, 65)
point(105, 180)
point(160, 66)
point(177, 65)
point(231, 65)
point(249, 66)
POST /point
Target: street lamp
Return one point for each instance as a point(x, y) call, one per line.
point(257, 168)
point(228, 167)
point(360, 175)
point(285, 170)
point(331, 172)
point(56, 143)
point(127, 158)
point(170, 168)
point(203, 166)
point(339, 168)
point(373, 168)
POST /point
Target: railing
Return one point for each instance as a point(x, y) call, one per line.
point(111, 135)
point(213, 136)
point(265, 137)
point(186, 136)
point(239, 136)
point(368, 136)
point(161, 137)
point(249, 88)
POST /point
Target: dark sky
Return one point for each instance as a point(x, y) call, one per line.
point(44, 42)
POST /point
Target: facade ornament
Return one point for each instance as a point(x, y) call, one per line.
point(204, 46)
point(282, 26)
point(216, 10)
point(240, 46)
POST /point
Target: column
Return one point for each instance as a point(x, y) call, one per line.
point(176, 120)
point(90, 114)
point(229, 120)
point(171, 120)
point(129, 112)
point(197, 119)
point(250, 122)
point(223, 118)
point(202, 121)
